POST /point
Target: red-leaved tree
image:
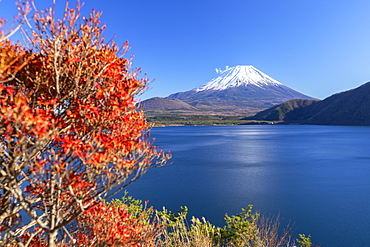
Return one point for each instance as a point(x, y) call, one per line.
point(117, 224)
point(70, 133)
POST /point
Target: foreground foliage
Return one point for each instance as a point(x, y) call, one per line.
point(165, 228)
point(244, 229)
point(70, 133)
point(118, 223)
point(130, 222)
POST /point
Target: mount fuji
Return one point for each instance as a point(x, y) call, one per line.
point(238, 90)
point(238, 76)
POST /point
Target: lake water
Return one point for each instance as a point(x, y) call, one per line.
point(315, 177)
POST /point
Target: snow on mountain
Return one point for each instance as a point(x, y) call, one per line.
point(240, 75)
point(240, 90)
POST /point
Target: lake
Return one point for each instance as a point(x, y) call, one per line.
point(317, 178)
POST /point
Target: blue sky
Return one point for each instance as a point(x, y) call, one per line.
point(315, 47)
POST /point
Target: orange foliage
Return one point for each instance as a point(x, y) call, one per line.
point(70, 131)
point(113, 225)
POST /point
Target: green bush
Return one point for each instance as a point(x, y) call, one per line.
point(244, 229)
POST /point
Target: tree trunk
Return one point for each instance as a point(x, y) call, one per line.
point(52, 237)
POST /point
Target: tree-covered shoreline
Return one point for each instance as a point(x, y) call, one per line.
point(183, 119)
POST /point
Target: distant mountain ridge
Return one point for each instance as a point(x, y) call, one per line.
point(158, 103)
point(351, 107)
point(162, 106)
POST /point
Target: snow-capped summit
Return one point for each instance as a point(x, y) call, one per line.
point(240, 75)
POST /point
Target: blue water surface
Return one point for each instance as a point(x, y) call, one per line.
point(316, 178)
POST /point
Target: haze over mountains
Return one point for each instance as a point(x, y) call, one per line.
point(237, 90)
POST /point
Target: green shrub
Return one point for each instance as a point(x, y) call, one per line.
point(246, 228)
point(304, 241)
point(241, 229)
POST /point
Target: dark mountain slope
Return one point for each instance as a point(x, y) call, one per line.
point(279, 112)
point(347, 108)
